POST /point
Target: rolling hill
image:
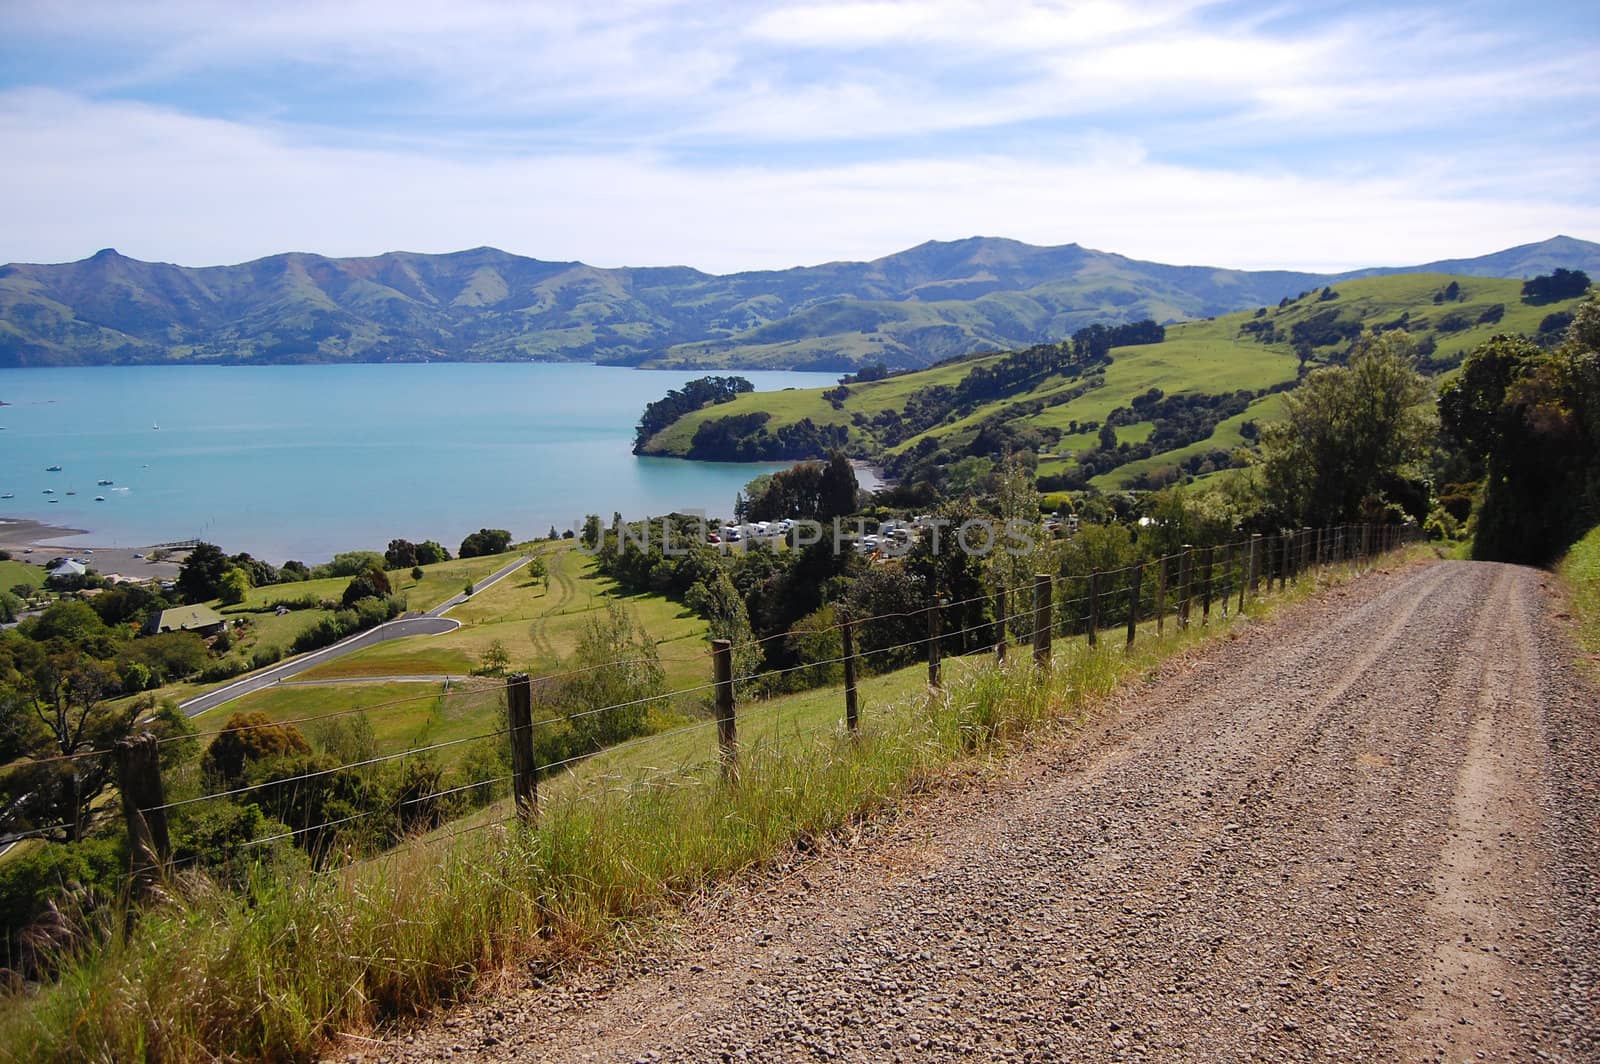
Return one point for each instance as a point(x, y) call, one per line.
point(1175, 407)
point(913, 308)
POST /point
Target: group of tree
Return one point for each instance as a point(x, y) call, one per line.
point(706, 391)
point(1526, 421)
point(404, 554)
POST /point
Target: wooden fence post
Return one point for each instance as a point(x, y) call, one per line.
point(1001, 636)
point(1227, 577)
point(139, 779)
point(852, 711)
point(1133, 601)
point(1185, 584)
point(935, 634)
point(1161, 596)
point(727, 734)
point(1043, 623)
point(519, 727)
point(1205, 585)
point(1094, 604)
point(1255, 564)
point(1283, 561)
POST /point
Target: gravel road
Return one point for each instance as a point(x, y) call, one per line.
point(1365, 830)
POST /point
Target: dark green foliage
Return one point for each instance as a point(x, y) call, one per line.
point(814, 490)
point(485, 541)
point(367, 613)
point(373, 583)
point(1556, 286)
point(401, 554)
point(200, 575)
point(127, 604)
point(350, 563)
point(1353, 438)
point(680, 401)
point(56, 898)
point(261, 574)
point(429, 552)
point(1530, 420)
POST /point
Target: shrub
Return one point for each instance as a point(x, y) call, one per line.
point(247, 738)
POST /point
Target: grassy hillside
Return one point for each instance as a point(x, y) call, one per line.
point(1244, 360)
point(911, 308)
point(538, 626)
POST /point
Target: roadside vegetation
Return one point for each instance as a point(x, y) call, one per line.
point(277, 965)
point(340, 852)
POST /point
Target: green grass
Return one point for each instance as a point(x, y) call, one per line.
point(620, 841)
point(1198, 357)
point(403, 715)
point(538, 628)
point(15, 572)
point(439, 583)
point(1580, 570)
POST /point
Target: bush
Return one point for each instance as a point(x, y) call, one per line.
point(247, 738)
point(53, 899)
point(486, 541)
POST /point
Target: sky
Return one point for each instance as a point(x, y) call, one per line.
point(735, 136)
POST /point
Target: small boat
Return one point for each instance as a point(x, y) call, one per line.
point(105, 483)
point(99, 498)
point(155, 428)
point(52, 469)
point(49, 491)
point(9, 495)
point(55, 500)
point(72, 493)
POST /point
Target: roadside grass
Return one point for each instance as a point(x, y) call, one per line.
point(1580, 570)
point(277, 972)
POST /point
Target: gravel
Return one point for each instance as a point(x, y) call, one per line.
point(1366, 829)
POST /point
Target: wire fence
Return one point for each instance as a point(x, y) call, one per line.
point(1181, 588)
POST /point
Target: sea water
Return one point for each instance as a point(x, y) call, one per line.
point(304, 461)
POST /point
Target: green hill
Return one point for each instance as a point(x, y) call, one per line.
point(910, 309)
point(1172, 405)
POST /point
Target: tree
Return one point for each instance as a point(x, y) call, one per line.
point(373, 583)
point(1354, 437)
point(1558, 285)
point(496, 659)
point(485, 541)
point(246, 738)
point(401, 554)
point(1529, 422)
point(417, 573)
point(234, 587)
point(63, 693)
point(429, 552)
point(200, 575)
point(1108, 437)
point(617, 681)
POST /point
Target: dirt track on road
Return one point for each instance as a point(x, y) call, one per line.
point(1367, 829)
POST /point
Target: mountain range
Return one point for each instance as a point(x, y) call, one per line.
point(911, 308)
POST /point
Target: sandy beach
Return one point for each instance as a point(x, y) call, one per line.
point(21, 536)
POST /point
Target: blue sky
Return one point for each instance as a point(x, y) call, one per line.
point(739, 136)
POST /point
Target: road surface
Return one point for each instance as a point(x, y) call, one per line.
point(431, 623)
point(1367, 830)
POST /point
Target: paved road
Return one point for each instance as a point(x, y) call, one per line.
point(1368, 831)
point(431, 623)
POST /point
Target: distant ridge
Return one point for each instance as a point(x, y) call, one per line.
point(917, 306)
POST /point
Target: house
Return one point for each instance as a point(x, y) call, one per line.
point(68, 567)
point(201, 619)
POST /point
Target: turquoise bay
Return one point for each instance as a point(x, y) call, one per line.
point(304, 461)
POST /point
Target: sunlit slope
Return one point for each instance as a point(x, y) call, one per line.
point(1258, 352)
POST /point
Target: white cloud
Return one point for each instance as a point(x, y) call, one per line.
point(158, 184)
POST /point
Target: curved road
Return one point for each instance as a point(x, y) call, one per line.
point(431, 623)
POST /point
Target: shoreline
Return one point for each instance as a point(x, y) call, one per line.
point(34, 542)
